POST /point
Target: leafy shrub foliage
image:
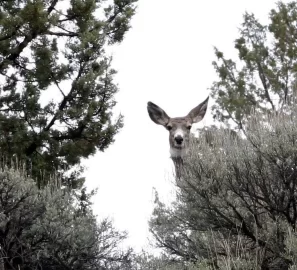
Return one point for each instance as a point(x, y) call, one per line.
point(237, 198)
point(48, 229)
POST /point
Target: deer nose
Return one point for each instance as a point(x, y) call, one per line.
point(179, 139)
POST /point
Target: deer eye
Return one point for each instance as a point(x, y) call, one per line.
point(189, 127)
point(169, 127)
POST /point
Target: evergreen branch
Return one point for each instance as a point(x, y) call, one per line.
point(57, 84)
point(52, 6)
point(264, 83)
point(16, 79)
point(17, 51)
point(27, 39)
point(68, 17)
point(77, 133)
point(33, 146)
point(29, 123)
point(65, 100)
point(11, 34)
point(61, 27)
point(120, 10)
point(62, 34)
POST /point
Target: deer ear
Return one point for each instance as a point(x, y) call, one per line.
point(198, 112)
point(157, 114)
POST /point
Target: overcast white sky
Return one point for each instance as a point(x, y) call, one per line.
point(165, 58)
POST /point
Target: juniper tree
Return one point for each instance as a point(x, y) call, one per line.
point(263, 78)
point(57, 90)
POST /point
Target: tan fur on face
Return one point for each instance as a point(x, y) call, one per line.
point(178, 127)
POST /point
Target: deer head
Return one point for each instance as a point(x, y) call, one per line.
point(178, 127)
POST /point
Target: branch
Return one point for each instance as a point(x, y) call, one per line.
point(32, 148)
point(11, 34)
point(245, 229)
point(57, 84)
point(52, 6)
point(28, 38)
point(264, 83)
point(17, 51)
point(62, 34)
point(171, 248)
point(64, 101)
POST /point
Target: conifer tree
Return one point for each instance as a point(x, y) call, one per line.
point(57, 90)
point(263, 78)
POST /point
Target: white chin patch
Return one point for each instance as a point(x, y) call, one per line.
point(177, 152)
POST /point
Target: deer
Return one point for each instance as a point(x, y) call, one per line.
point(179, 129)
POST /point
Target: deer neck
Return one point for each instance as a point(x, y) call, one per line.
point(178, 153)
point(178, 163)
